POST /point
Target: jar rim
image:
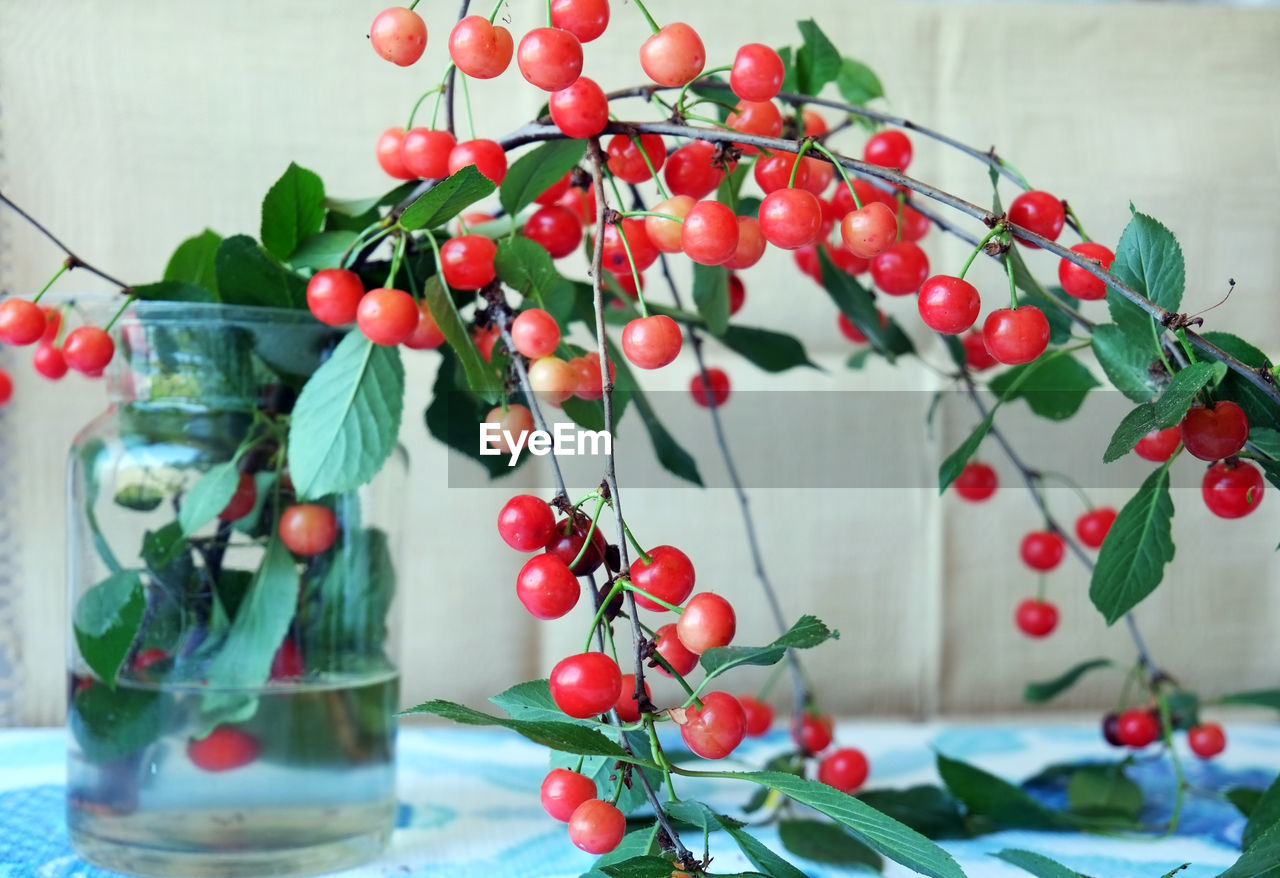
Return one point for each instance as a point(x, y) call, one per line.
point(161, 311)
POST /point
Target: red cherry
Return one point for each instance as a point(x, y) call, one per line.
point(333, 295)
point(556, 190)
point(484, 340)
point(486, 155)
point(1016, 336)
point(738, 290)
point(845, 769)
point(948, 304)
point(88, 350)
point(1093, 526)
point(1206, 740)
point(757, 73)
point(976, 355)
point(1036, 618)
point(1159, 445)
point(53, 322)
point(467, 261)
point(307, 528)
point(387, 316)
point(711, 391)
point(665, 234)
point(581, 109)
point(586, 684)
point(390, 151)
point(761, 118)
point(585, 19)
point(518, 421)
point(552, 379)
point(651, 342)
point(759, 715)
point(889, 149)
point(813, 734)
point(1214, 433)
point(21, 322)
point(590, 381)
point(690, 170)
point(976, 482)
point(773, 172)
point(426, 335)
point(564, 790)
point(627, 161)
point(1080, 283)
point(1111, 729)
point(1042, 549)
point(148, 657)
point(842, 199)
point(526, 523)
point(1137, 728)
point(666, 642)
point(708, 621)
point(597, 827)
point(912, 224)
point(535, 333)
point(614, 253)
point(223, 749)
point(480, 48)
point(582, 202)
point(546, 587)
point(1232, 491)
point(819, 174)
point(567, 542)
point(709, 235)
point(714, 730)
point(901, 269)
point(751, 245)
point(813, 123)
point(790, 218)
point(550, 58)
point(628, 708)
point(399, 35)
point(287, 663)
point(556, 229)
point(668, 574)
point(870, 231)
point(49, 361)
point(1038, 212)
point(674, 55)
point(242, 501)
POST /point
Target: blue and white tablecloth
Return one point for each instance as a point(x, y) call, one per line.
point(469, 802)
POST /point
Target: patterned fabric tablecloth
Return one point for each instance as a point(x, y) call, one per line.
point(469, 802)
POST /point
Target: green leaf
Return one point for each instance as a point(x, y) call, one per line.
point(789, 71)
point(446, 199)
point(454, 416)
point(106, 622)
point(806, 633)
point(323, 250)
point(564, 736)
point(529, 701)
point(858, 83)
point(636, 843)
point(1261, 859)
point(989, 796)
point(173, 291)
point(954, 463)
point(111, 724)
point(1245, 799)
point(536, 171)
point(711, 295)
point(358, 207)
point(248, 275)
point(825, 842)
point(139, 496)
point(347, 418)
point(886, 835)
point(1256, 698)
point(1266, 441)
point(1047, 690)
point(482, 379)
point(769, 350)
point(1103, 791)
point(1160, 414)
point(859, 359)
point(1264, 816)
point(1149, 259)
point(1127, 367)
point(209, 496)
point(1054, 388)
point(260, 623)
point(699, 815)
point(193, 262)
point(1131, 561)
point(638, 867)
point(526, 267)
point(350, 616)
point(856, 304)
point(162, 547)
point(817, 61)
point(669, 452)
point(1037, 864)
point(292, 211)
point(928, 809)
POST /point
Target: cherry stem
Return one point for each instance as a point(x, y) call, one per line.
point(76, 261)
point(600, 611)
point(998, 230)
point(661, 758)
point(632, 587)
point(1155, 334)
point(844, 175)
point(436, 90)
point(1166, 733)
point(1067, 481)
point(396, 257)
point(665, 216)
point(497, 7)
point(635, 544)
point(369, 236)
point(653, 25)
point(1013, 285)
point(1041, 582)
point(549, 13)
point(466, 100)
point(1013, 172)
point(666, 666)
point(1075, 222)
point(586, 542)
point(413, 4)
point(450, 75)
point(795, 165)
point(653, 172)
point(684, 89)
point(127, 302)
point(57, 274)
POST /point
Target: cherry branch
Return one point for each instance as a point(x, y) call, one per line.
point(73, 261)
point(449, 77)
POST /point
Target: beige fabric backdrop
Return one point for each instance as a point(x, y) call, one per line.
point(129, 125)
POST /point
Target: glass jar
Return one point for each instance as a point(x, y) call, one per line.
point(232, 701)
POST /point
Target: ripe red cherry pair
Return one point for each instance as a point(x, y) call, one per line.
point(87, 349)
point(595, 826)
point(386, 316)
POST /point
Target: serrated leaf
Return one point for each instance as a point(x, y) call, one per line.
point(769, 350)
point(1047, 690)
point(482, 379)
point(825, 842)
point(636, 843)
point(292, 210)
point(446, 199)
point(564, 736)
point(1103, 791)
point(347, 418)
point(207, 497)
point(928, 809)
point(817, 61)
point(639, 867)
point(106, 622)
point(1260, 859)
point(323, 250)
point(193, 263)
point(1149, 259)
point(806, 633)
point(526, 267)
point(1131, 561)
point(1054, 388)
point(669, 452)
point(1256, 698)
point(529, 701)
point(536, 171)
point(1265, 815)
point(1160, 414)
point(995, 798)
point(1037, 864)
point(261, 621)
point(954, 463)
point(1127, 368)
point(858, 83)
point(699, 815)
point(711, 296)
point(248, 275)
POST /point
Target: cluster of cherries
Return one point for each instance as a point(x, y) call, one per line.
point(86, 349)
point(590, 684)
point(1140, 727)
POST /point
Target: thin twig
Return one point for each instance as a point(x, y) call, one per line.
point(449, 79)
point(74, 261)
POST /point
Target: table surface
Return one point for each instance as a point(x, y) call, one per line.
point(469, 802)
